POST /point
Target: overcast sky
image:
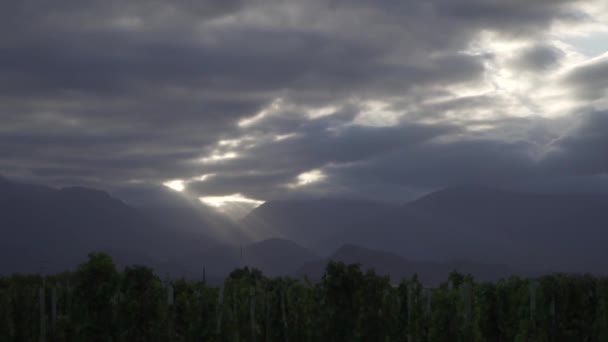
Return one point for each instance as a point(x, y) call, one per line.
point(262, 100)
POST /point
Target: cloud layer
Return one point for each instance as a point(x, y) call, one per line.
point(383, 99)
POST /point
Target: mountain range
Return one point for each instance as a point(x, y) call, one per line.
point(529, 231)
point(397, 267)
point(486, 232)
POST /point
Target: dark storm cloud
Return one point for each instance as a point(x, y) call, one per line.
point(590, 80)
point(106, 93)
point(316, 148)
point(262, 185)
point(506, 13)
point(401, 162)
point(539, 58)
point(114, 64)
point(442, 164)
point(433, 19)
point(90, 51)
point(584, 151)
point(278, 163)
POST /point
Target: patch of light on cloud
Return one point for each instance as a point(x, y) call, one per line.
point(307, 178)
point(596, 12)
point(216, 157)
point(203, 178)
point(253, 119)
point(321, 112)
point(176, 184)
point(270, 109)
point(461, 91)
point(281, 137)
point(219, 201)
point(490, 42)
point(377, 114)
point(518, 93)
point(245, 142)
point(230, 142)
point(480, 127)
point(128, 23)
point(587, 62)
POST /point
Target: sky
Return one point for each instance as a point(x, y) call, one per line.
point(246, 101)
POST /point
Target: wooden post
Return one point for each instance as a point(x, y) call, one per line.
point(54, 309)
point(170, 297)
point(429, 295)
point(170, 301)
point(252, 312)
point(410, 312)
point(42, 296)
point(284, 315)
point(553, 321)
point(466, 297)
point(235, 315)
point(69, 298)
point(267, 315)
point(220, 304)
point(532, 299)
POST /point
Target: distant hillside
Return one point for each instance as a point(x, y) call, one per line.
point(197, 220)
point(397, 267)
point(181, 212)
point(310, 222)
point(274, 257)
point(50, 230)
point(535, 231)
point(46, 229)
point(527, 231)
point(277, 256)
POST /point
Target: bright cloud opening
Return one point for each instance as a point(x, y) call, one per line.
point(203, 178)
point(219, 201)
point(377, 114)
point(176, 184)
point(230, 142)
point(307, 178)
point(321, 112)
point(281, 137)
point(216, 157)
point(272, 108)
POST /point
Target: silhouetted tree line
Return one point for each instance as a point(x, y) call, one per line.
point(98, 303)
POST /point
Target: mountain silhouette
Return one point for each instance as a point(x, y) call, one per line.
point(45, 229)
point(311, 223)
point(397, 267)
point(564, 232)
point(51, 230)
point(277, 256)
point(274, 257)
point(529, 231)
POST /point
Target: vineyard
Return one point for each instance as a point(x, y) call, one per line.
point(99, 303)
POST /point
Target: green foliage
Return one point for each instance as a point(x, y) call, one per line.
point(98, 303)
point(96, 282)
point(340, 285)
point(141, 312)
